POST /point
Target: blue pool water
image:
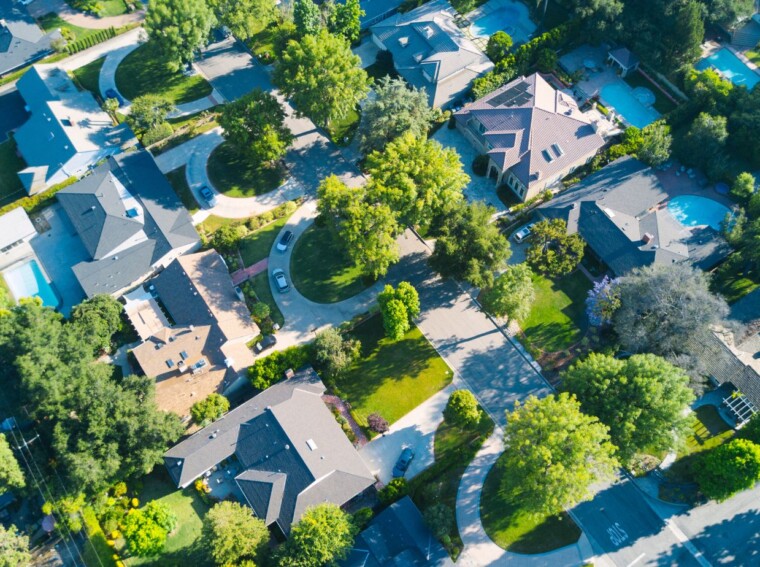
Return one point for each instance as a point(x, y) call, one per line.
point(691, 210)
point(512, 18)
point(27, 280)
point(621, 97)
point(731, 67)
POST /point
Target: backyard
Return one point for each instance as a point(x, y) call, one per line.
point(732, 280)
point(320, 269)
point(662, 103)
point(88, 76)
point(10, 163)
point(144, 72)
point(234, 175)
point(181, 546)
point(391, 378)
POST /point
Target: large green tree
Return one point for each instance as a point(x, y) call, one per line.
point(704, 144)
point(396, 109)
point(233, 535)
point(245, 18)
point(654, 149)
point(11, 475)
point(345, 19)
point(149, 111)
point(255, 126)
point(322, 77)
point(729, 468)
point(306, 17)
point(96, 320)
point(399, 308)
point(686, 30)
point(499, 46)
point(554, 453)
point(417, 178)
point(14, 548)
point(462, 409)
point(323, 536)
point(178, 28)
point(209, 409)
point(145, 529)
point(333, 353)
point(470, 246)
point(512, 293)
point(641, 399)
point(553, 251)
point(728, 12)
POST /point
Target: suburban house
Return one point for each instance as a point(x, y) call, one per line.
point(21, 40)
point(533, 134)
point(621, 212)
point(67, 132)
point(204, 348)
point(16, 230)
point(431, 52)
point(624, 60)
point(130, 221)
point(397, 536)
point(286, 449)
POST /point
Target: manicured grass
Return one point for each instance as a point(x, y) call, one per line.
point(513, 528)
point(662, 104)
point(178, 181)
point(112, 8)
point(454, 449)
point(753, 55)
point(53, 21)
point(236, 177)
point(214, 223)
point(256, 246)
point(262, 285)
point(557, 319)
point(88, 76)
point(181, 549)
point(10, 185)
point(320, 269)
point(391, 378)
point(262, 41)
point(144, 72)
point(341, 132)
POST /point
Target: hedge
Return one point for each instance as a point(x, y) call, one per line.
point(35, 203)
point(90, 40)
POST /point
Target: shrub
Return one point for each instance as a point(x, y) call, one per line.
point(394, 490)
point(210, 409)
point(266, 371)
point(480, 165)
point(157, 133)
point(377, 423)
point(362, 517)
point(462, 409)
point(120, 489)
point(440, 519)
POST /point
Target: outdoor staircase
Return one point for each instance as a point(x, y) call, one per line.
point(746, 36)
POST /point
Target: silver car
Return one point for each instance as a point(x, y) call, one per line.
point(280, 281)
point(523, 233)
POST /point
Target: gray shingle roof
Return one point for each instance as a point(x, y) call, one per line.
point(614, 208)
point(21, 40)
point(534, 130)
point(625, 57)
point(285, 430)
point(430, 51)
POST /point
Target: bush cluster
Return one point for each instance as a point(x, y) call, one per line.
point(91, 40)
point(268, 370)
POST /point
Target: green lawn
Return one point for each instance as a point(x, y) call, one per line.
point(262, 41)
point(178, 181)
point(88, 76)
point(256, 246)
point(144, 72)
point(513, 529)
point(10, 185)
point(391, 378)
point(320, 270)
point(732, 281)
point(262, 285)
point(341, 132)
point(662, 104)
point(181, 545)
point(112, 8)
point(236, 177)
point(557, 319)
point(454, 449)
point(53, 21)
point(214, 223)
point(753, 55)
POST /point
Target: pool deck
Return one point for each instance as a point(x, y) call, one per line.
point(677, 183)
point(710, 47)
point(493, 6)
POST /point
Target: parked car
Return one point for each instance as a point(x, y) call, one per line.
point(111, 93)
point(208, 196)
point(266, 343)
point(285, 240)
point(404, 460)
point(280, 281)
point(523, 233)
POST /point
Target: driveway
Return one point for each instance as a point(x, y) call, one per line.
point(59, 249)
point(479, 188)
point(416, 430)
point(12, 113)
point(231, 69)
point(39, 8)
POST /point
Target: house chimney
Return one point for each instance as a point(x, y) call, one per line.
point(647, 238)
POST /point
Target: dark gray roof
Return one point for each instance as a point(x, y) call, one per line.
point(747, 309)
point(625, 57)
point(377, 10)
point(128, 218)
point(294, 453)
point(21, 40)
point(399, 537)
point(614, 208)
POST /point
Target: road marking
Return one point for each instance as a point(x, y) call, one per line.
point(680, 536)
point(617, 534)
point(639, 558)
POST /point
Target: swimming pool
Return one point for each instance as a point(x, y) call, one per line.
point(511, 17)
point(731, 67)
point(691, 210)
point(27, 280)
point(621, 97)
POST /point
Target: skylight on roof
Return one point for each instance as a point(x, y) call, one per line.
point(311, 444)
point(547, 156)
point(558, 150)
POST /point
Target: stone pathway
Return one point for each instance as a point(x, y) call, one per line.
point(340, 405)
point(247, 273)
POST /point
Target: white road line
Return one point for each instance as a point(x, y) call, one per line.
point(680, 536)
point(639, 558)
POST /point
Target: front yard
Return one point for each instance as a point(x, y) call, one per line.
point(391, 378)
point(88, 76)
point(144, 72)
point(257, 245)
point(263, 288)
point(235, 176)
point(178, 180)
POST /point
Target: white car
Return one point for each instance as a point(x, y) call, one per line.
point(280, 281)
point(523, 233)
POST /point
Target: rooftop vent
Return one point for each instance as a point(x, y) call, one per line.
point(311, 444)
point(132, 213)
point(403, 41)
point(558, 150)
point(418, 57)
point(428, 31)
point(647, 238)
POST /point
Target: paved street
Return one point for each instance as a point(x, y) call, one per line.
point(231, 69)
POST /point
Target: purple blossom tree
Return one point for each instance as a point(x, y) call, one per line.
point(377, 423)
point(602, 302)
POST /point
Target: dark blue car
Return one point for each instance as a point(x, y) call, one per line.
point(402, 465)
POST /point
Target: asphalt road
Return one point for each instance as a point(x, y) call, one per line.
point(619, 522)
point(232, 70)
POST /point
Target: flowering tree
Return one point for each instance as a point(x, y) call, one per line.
point(602, 302)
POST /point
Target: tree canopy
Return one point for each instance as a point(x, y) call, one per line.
point(553, 251)
point(554, 453)
point(11, 475)
point(245, 18)
point(470, 247)
point(323, 536)
point(178, 28)
point(322, 77)
point(232, 534)
point(641, 399)
point(148, 111)
point(306, 17)
point(462, 409)
point(512, 293)
point(399, 308)
point(14, 548)
point(704, 144)
point(334, 353)
point(208, 410)
point(145, 529)
point(396, 109)
point(498, 46)
point(96, 320)
point(729, 468)
point(345, 19)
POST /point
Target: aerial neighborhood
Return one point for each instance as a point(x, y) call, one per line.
point(369, 283)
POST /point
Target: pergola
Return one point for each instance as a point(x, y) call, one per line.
point(740, 406)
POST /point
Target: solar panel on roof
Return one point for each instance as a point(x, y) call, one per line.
point(516, 95)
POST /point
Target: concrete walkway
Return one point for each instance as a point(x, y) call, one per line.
point(247, 273)
point(39, 8)
point(107, 78)
point(132, 37)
